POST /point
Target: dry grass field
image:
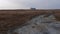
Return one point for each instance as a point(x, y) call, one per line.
point(10, 19)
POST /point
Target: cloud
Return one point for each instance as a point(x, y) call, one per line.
point(22, 3)
point(41, 4)
point(54, 4)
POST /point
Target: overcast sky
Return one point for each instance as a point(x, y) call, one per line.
point(19, 4)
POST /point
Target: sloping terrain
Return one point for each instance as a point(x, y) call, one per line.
point(11, 19)
point(39, 25)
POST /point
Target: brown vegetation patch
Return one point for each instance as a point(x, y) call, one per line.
point(12, 19)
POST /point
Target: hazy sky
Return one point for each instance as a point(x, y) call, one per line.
point(41, 4)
